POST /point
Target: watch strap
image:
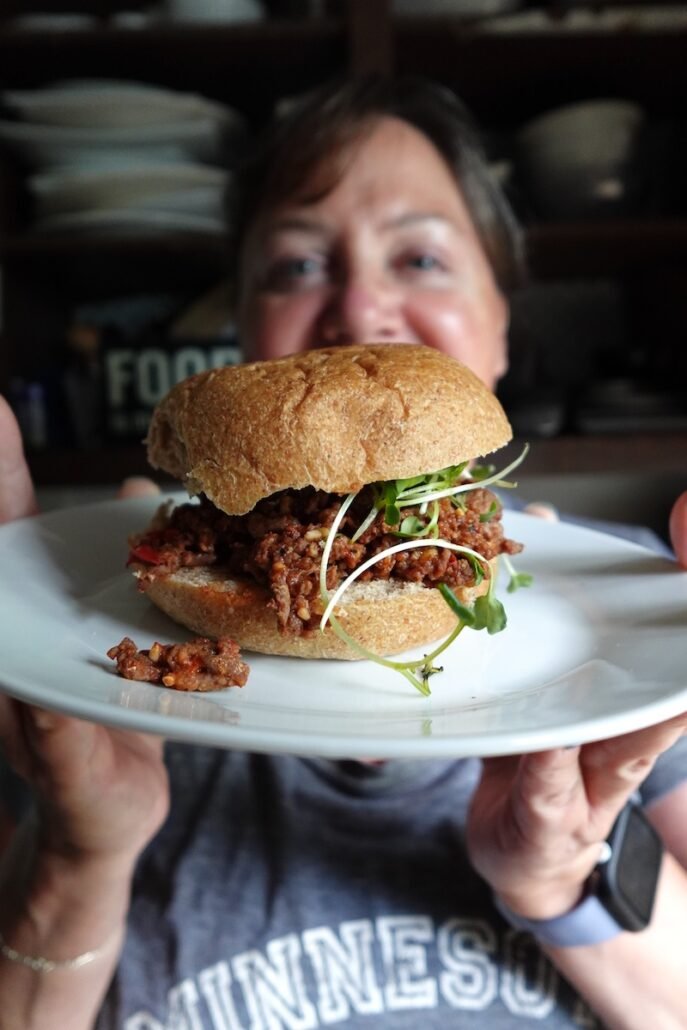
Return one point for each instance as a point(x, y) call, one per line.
point(589, 922)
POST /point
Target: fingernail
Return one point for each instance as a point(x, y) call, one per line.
point(42, 720)
point(138, 486)
point(543, 510)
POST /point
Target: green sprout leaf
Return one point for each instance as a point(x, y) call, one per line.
point(477, 568)
point(492, 512)
point(405, 484)
point(412, 526)
point(480, 472)
point(489, 614)
point(519, 579)
point(463, 613)
point(392, 515)
point(391, 499)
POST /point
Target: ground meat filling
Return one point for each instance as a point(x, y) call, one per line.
point(279, 545)
point(200, 664)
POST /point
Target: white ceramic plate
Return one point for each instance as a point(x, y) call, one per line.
point(171, 186)
point(72, 190)
point(200, 139)
point(597, 647)
point(53, 22)
point(132, 220)
point(111, 104)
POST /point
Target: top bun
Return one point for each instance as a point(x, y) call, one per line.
point(334, 419)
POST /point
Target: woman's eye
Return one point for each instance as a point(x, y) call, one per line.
point(423, 262)
point(292, 272)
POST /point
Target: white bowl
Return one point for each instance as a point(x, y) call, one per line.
point(582, 158)
point(218, 11)
point(601, 130)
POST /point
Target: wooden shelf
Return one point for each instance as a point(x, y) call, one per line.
point(60, 466)
point(659, 453)
point(34, 247)
point(554, 249)
point(515, 75)
point(504, 79)
point(234, 63)
point(85, 267)
point(605, 248)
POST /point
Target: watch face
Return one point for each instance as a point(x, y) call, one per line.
point(628, 880)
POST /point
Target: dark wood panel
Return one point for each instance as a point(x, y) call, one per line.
point(554, 248)
point(632, 453)
point(638, 453)
point(588, 249)
point(245, 65)
point(512, 77)
point(65, 466)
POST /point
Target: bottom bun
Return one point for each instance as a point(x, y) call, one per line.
point(384, 617)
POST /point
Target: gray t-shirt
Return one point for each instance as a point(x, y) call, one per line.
point(299, 893)
point(289, 894)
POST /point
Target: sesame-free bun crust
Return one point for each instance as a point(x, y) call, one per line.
point(334, 419)
point(385, 617)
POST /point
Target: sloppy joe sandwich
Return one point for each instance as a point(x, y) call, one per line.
point(338, 511)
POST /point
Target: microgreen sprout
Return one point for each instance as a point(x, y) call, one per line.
point(492, 512)
point(407, 545)
point(416, 671)
point(517, 579)
point(396, 494)
point(423, 493)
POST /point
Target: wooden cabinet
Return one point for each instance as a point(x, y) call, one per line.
point(505, 79)
point(248, 67)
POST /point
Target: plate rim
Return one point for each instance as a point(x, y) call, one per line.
point(315, 743)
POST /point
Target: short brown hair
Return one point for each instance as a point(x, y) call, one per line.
point(316, 134)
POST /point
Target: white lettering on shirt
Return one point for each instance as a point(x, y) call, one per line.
point(183, 1007)
point(273, 988)
point(215, 986)
point(370, 968)
point(467, 950)
point(143, 1021)
point(404, 958)
point(344, 970)
point(528, 985)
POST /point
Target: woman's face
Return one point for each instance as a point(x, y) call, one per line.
point(389, 255)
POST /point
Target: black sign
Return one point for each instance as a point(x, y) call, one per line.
point(136, 379)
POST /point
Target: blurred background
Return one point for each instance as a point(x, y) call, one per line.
point(119, 126)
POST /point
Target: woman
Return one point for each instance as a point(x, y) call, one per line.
point(292, 892)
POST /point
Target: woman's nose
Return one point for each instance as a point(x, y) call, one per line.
point(363, 312)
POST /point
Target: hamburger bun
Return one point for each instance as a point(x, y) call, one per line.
point(383, 616)
point(334, 419)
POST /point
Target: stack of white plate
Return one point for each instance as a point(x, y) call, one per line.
point(459, 8)
point(104, 154)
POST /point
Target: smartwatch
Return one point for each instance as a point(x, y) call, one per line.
point(619, 895)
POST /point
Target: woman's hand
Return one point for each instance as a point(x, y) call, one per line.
point(65, 872)
point(102, 792)
point(537, 822)
point(678, 529)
